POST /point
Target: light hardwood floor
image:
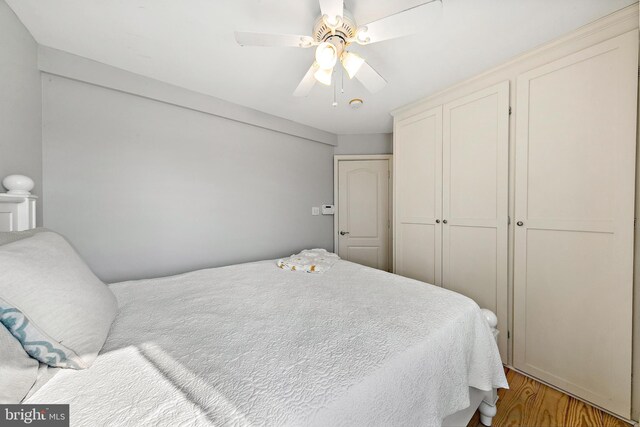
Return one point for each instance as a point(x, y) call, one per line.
point(529, 403)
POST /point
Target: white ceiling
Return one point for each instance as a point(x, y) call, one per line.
point(190, 43)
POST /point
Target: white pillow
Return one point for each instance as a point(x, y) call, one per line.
point(18, 371)
point(52, 302)
point(13, 236)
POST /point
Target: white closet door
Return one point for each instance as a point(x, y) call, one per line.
point(575, 172)
point(418, 196)
point(475, 199)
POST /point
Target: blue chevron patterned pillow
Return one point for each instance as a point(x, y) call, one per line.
point(52, 303)
point(35, 342)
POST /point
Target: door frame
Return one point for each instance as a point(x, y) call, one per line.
point(359, 157)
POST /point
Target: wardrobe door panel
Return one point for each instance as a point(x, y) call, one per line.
point(472, 266)
point(418, 195)
point(475, 199)
point(418, 252)
point(573, 261)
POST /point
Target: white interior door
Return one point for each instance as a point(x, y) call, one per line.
point(363, 212)
point(575, 172)
point(418, 196)
point(475, 199)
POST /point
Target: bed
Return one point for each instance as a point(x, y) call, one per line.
point(252, 344)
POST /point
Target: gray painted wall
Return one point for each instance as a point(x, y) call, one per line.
point(144, 188)
point(375, 143)
point(60, 63)
point(20, 102)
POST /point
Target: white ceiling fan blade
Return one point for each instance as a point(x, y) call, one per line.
point(370, 78)
point(332, 8)
point(259, 39)
point(401, 24)
point(307, 82)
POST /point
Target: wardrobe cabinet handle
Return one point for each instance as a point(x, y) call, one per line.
point(444, 221)
point(519, 223)
point(437, 221)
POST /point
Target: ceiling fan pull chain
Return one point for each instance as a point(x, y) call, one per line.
point(335, 91)
point(341, 80)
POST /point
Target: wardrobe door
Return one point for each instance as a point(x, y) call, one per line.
point(575, 172)
point(418, 196)
point(475, 199)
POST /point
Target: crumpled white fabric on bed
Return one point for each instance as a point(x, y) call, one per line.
point(309, 261)
point(256, 345)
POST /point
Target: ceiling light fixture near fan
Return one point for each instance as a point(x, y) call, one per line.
point(334, 31)
point(323, 75)
point(352, 62)
point(326, 55)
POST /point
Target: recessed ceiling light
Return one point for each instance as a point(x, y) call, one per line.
point(356, 103)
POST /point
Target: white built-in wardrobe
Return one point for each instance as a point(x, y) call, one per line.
point(517, 188)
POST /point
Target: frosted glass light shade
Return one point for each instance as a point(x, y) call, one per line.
point(326, 55)
point(324, 76)
point(351, 63)
point(18, 185)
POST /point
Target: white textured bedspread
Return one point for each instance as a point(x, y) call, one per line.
point(252, 344)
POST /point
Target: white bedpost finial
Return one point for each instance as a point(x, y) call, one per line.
point(18, 185)
point(492, 320)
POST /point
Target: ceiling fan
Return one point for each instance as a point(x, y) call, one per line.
point(334, 31)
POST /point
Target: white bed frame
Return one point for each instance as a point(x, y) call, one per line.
point(484, 401)
point(17, 213)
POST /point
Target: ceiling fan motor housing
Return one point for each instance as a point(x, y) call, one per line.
point(345, 31)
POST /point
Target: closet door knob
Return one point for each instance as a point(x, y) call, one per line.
point(444, 221)
point(519, 223)
point(437, 221)
point(342, 233)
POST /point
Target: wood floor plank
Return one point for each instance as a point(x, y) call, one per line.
point(516, 405)
point(611, 421)
point(529, 403)
point(556, 409)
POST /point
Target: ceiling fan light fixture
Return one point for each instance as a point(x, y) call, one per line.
point(352, 63)
point(326, 55)
point(323, 75)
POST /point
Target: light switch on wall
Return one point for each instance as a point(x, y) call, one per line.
point(315, 210)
